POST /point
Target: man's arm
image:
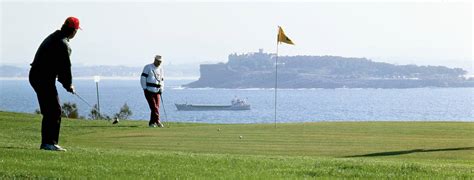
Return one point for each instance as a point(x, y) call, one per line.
point(162, 79)
point(64, 67)
point(143, 77)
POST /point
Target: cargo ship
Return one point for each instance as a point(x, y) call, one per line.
point(236, 105)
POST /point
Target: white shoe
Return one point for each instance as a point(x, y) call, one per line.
point(152, 125)
point(161, 125)
point(52, 147)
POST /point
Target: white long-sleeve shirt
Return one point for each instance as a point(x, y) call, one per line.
point(152, 78)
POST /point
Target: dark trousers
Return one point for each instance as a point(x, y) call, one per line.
point(153, 100)
point(51, 111)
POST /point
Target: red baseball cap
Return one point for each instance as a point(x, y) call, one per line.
point(72, 22)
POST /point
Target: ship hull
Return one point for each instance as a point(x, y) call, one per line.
point(191, 107)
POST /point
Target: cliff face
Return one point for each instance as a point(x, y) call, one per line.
point(215, 75)
point(257, 70)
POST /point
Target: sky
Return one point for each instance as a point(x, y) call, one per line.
point(193, 32)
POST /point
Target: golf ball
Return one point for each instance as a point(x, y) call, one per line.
point(240, 137)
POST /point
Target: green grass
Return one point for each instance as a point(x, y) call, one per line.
point(131, 150)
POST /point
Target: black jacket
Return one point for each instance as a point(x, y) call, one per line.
point(51, 61)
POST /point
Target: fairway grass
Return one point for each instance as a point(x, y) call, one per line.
point(131, 150)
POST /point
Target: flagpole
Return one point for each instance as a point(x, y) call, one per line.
point(276, 83)
point(281, 38)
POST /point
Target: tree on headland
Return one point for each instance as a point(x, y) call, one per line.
point(124, 112)
point(95, 114)
point(69, 110)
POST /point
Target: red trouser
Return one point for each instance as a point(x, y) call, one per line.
point(153, 100)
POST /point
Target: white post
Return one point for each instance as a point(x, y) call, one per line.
point(96, 80)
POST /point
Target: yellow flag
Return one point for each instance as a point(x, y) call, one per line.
point(282, 37)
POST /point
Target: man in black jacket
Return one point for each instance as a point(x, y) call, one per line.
point(52, 61)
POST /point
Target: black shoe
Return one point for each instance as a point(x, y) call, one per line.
point(52, 147)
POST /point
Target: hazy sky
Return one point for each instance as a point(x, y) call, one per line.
point(131, 33)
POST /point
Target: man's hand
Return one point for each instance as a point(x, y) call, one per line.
point(71, 89)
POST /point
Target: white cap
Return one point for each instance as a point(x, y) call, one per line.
point(158, 58)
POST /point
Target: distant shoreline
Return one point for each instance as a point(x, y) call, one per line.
point(210, 88)
point(105, 78)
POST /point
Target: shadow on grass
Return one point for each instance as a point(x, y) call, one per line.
point(105, 126)
point(394, 153)
point(12, 147)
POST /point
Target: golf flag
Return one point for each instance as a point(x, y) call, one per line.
point(283, 38)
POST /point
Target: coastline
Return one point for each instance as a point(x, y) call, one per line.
point(105, 78)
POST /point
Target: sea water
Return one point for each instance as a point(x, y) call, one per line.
point(293, 105)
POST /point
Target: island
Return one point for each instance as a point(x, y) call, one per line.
point(257, 70)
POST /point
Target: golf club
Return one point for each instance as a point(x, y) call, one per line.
point(83, 100)
point(164, 110)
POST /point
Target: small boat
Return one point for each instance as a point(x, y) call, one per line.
point(236, 105)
